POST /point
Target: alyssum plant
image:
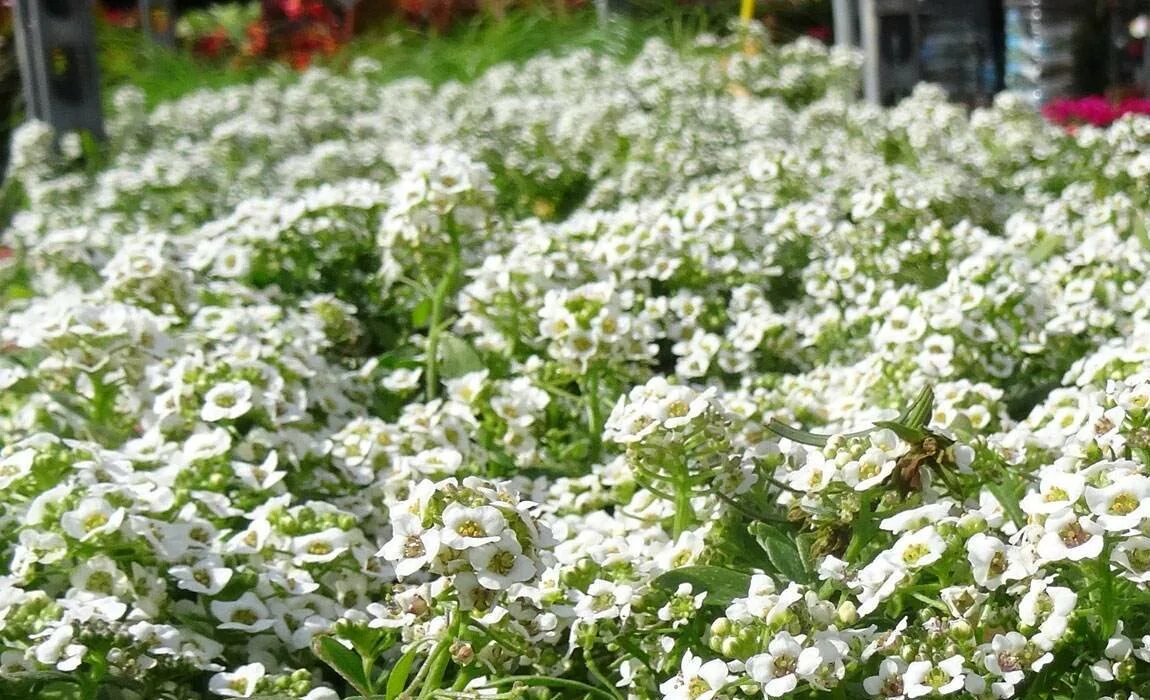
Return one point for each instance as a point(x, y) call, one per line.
point(335, 387)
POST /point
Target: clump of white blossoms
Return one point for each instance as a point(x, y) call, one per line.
point(476, 531)
point(684, 376)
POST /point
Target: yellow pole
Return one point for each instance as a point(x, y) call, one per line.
point(747, 11)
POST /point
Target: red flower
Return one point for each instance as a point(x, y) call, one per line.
point(212, 45)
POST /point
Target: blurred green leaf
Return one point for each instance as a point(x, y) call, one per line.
point(1005, 496)
point(457, 357)
point(782, 552)
point(722, 585)
point(343, 661)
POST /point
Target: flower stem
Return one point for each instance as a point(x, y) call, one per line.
point(553, 682)
point(598, 675)
point(441, 656)
point(1106, 593)
point(862, 529)
point(683, 515)
point(594, 413)
point(435, 328)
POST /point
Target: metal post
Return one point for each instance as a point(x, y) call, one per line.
point(56, 50)
point(844, 23)
point(868, 24)
point(1146, 54)
point(158, 19)
point(347, 11)
point(602, 10)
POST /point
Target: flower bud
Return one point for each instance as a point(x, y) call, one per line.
point(961, 630)
point(847, 613)
point(729, 647)
point(462, 653)
point(1124, 671)
point(417, 606)
point(971, 525)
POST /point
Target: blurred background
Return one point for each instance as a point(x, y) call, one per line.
point(1082, 61)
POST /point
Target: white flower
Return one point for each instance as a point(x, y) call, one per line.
point(1133, 555)
point(499, 564)
point(91, 518)
point(411, 546)
point(888, 682)
point(1057, 491)
point(917, 518)
point(246, 613)
point(319, 547)
point(437, 461)
point(1122, 505)
point(465, 527)
point(926, 678)
point(992, 562)
point(1069, 536)
point(696, 680)
point(240, 683)
point(99, 574)
point(917, 549)
point(870, 470)
point(682, 606)
point(777, 669)
point(402, 379)
point(207, 576)
point(1006, 657)
point(58, 650)
point(1047, 607)
point(604, 600)
point(227, 401)
point(16, 466)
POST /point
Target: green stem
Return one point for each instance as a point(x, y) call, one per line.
point(435, 328)
point(436, 667)
point(598, 675)
point(594, 413)
point(441, 656)
point(498, 638)
point(462, 680)
point(683, 514)
point(90, 683)
point(553, 682)
point(1106, 593)
point(863, 526)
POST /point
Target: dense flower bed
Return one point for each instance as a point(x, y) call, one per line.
point(333, 388)
point(1094, 110)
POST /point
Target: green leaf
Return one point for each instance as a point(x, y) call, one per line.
point(806, 546)
point(905, 432)
point(397, 678)
point(782, 552)
point(1140, 231)
point(919, 412)
point(722, 585)
point(27, 677)
point(1009, 501)
point(457, 357)
point(421, 313)
point(795, 435)
point(344, 661)
point(1087, 688)
point(804, 438)
point(1045, 248)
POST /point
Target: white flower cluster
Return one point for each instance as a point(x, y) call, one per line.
point(499, 385)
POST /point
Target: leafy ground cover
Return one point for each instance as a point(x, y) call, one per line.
point(685, 376)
